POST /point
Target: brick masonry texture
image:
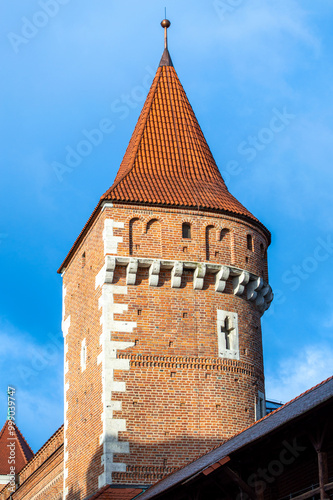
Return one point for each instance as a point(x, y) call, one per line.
point(180, 398)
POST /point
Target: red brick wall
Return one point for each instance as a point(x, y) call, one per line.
point(181, 398)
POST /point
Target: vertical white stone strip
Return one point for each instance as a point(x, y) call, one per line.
point(65, 328)
point(109, 361)
point(108, 358)
point(111, 241)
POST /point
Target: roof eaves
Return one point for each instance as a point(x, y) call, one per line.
point(79, 239)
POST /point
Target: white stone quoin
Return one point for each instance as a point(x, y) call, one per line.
point(108, 356)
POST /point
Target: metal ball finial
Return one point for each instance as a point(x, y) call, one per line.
point(165, 23)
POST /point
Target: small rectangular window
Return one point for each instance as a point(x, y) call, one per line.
point(186, 230)
point(260, 408)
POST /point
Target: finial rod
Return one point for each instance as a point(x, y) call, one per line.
point(165, 24)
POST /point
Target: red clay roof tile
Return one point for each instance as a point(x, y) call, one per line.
point(109, 493)
point(168, 160)
point(23, 452)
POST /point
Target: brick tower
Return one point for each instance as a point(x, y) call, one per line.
point(163, 294)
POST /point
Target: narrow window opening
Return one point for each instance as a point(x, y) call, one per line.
point(186, 230)
point(262, 251)
point(210, 236)
point(139, 312)
point(185, 249)
point(227, 329)
point(223, 233)
point(185, 315)
point(83, 259)
point(260, 405)
point(249, 242)
point(83, 355)
point(227, 340)
point(170, 343)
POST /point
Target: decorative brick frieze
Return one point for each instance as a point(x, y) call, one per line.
point(144, 474)
point(188, 363)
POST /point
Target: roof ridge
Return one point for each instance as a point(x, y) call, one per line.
point(25, 442)
point(43, 445)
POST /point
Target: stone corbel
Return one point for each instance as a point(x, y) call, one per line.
point(268, 298)
point(239, 283)
point(110, 266)
point(176, 274)
point(154, 273)
point(131, 270)
point(261, 300)
point(199, 275)
point(221, 278)
point(253, 288)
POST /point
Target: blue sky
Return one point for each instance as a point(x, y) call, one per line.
point(67, 66)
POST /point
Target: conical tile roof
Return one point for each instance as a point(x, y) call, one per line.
point(168, 161)
point(23, 453)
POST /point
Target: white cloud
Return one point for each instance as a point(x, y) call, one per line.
point(298, 373)
point(264, 41)
point(35, 369)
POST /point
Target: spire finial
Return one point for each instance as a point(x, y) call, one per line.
point(165, 24)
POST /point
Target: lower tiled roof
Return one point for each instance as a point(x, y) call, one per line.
point(111, 493)
point(23, 453)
